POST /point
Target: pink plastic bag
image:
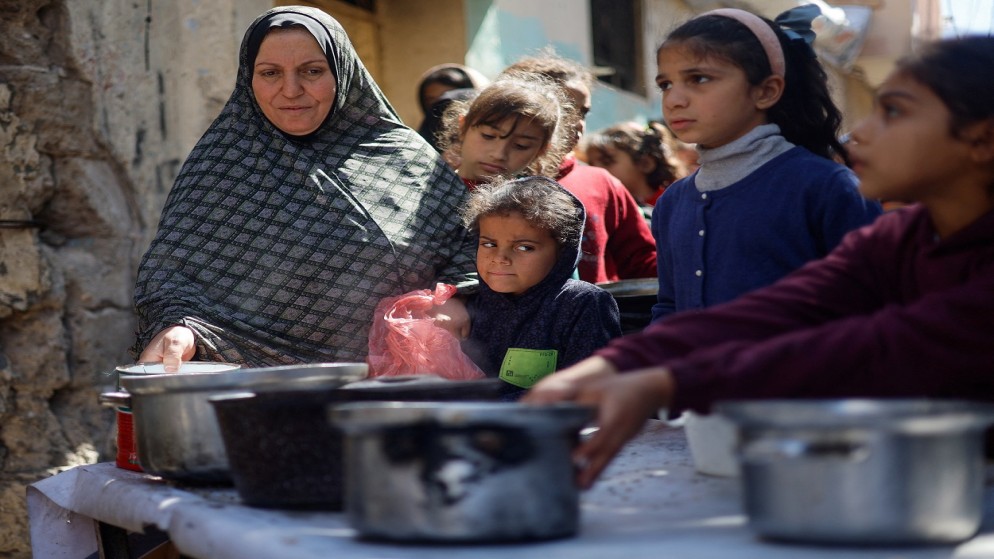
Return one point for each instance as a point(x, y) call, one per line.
point(404, 339)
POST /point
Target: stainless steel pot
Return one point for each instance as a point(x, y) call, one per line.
point(460, 472)
point(176, 431)
point(127, 453)
point(862, 471)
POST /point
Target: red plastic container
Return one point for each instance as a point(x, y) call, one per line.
point(127, 454)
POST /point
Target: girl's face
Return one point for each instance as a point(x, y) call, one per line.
point(620, 164)
point(904, 149)
point(513, 255)
point(505, 149)
point(708, 101)
point(292, 82)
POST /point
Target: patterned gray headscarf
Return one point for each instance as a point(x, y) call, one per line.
point(275, 249)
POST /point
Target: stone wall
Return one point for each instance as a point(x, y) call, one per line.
point(100, 101)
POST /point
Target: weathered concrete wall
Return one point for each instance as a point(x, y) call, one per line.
point(100, 101)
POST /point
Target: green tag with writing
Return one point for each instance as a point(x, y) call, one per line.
point(525, 367)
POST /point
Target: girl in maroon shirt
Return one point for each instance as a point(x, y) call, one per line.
point(901, 308)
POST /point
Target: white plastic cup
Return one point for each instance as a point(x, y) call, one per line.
point(712, 440)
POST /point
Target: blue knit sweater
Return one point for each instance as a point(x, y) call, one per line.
point(714, 246)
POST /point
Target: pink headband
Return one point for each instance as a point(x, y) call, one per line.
point(767, 37)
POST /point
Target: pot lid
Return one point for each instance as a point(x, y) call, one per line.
point(187, 367)
point(905, 415)
point(327, 375)
point(372, 416)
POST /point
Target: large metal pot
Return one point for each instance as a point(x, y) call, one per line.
point(461, 472)
point(283, 452)
point(862, 471)
point(176, 431)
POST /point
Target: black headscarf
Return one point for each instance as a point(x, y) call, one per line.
point(288, 20)
point(275, 249)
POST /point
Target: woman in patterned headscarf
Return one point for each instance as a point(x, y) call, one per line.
point(304, 204)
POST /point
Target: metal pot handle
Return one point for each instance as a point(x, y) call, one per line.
point(775, 450)
point(120, 399)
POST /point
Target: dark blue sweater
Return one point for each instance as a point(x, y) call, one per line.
point(714, 246)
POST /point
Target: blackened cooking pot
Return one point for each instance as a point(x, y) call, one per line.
point(283, 452)
point(176, 431)
point(859, 472)
point(461, 472)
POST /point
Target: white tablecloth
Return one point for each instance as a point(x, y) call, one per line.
point(649, 504)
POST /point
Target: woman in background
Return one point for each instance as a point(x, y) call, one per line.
point(435, 94)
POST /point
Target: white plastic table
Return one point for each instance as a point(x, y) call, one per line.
point(650, 503)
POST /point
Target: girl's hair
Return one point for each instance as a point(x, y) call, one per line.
point(961, 73)
point(560, 70)
point(541, 201)
point(525, 99)
point(652, 140)
point(805, 113)
point(567, 74)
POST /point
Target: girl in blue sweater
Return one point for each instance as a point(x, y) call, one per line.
point(768, 197)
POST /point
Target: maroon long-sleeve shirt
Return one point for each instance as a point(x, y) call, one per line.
point(892, 312)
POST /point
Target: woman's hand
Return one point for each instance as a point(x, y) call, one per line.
point(171, 347)
point(623, 401)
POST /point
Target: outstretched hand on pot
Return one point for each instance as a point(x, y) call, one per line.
point(171, 347)
point(623, 401)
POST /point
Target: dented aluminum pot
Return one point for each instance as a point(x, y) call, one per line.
point(461, 472)
point(862, 472)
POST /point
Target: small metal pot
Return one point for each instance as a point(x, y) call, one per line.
point(127, 452)
point(461, 472)
point(283, 452)
point(176, 431)
point(862, 471)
